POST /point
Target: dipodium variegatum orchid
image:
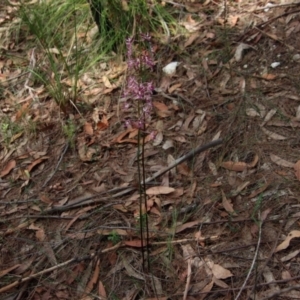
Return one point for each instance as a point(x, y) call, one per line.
point(139, 88)
point(138, 94)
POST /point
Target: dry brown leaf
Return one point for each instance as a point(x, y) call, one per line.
point(22, 111)
point(268, 76)
point(168, 144)
point(190, 24)
point(103, 123)
point(40, 233)
point(184, 169)
point(180, 138)
point(238, 55)
point(36, 162)
point(293, 234)
point(135, 243)
point(9, 166)
point(177, 193)
point(213, 168)
point(269, 116)
point(220, 272)
point(101, 290)
point(264, 214)
point(86, 154)
point(297, 169)
point(220, 283)
point(202, 128)
point(159, 190)
point(121, 137)
point(188, 251)
point(107, 83)
point(160, 106)
point(174, 87)
point(94, 278)
point(226, 204)
point(251, 112)
point(290, 256)
point(182, 227)
point(88, 128)
point(232, 20)
point(158, 138)
point(4, 272)
point(273, 135)
point(15, 137)
point(216, 136)
point(191, 39)
point(45, 199)
point(234, 166)
point(206, 289)
point(286, 275)
point(281, 162)
point(261, 189)
point(188, 121)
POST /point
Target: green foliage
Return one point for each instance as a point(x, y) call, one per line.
point(114, 237)
point(70, 132)
point(257, 208)
point(8, 129)
point(53, 26)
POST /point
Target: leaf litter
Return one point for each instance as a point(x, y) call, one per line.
point(72, 226)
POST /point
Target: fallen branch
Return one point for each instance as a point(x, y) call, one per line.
point(91, 199)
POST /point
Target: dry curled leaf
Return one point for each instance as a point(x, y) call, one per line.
point(251, 112)
point(135, 243)
point(269, 116)
point(185, 226)
point(220, 272)
point(254, 162)
point(159, 190)
point(273, 135)
point(293, 234)
point(234, 166)
point(9, 166)
point(88, 128)
point(281, 162)
point(226, 204)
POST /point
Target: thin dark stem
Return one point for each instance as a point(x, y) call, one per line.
point(144, 193)
point(141, 192)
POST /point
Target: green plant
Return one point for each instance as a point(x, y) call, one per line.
point(114, 237)
point(257, 208)
point(55, 26)
point(8, 130)
point(69, 130)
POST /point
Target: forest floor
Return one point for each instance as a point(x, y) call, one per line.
point(222, 225)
